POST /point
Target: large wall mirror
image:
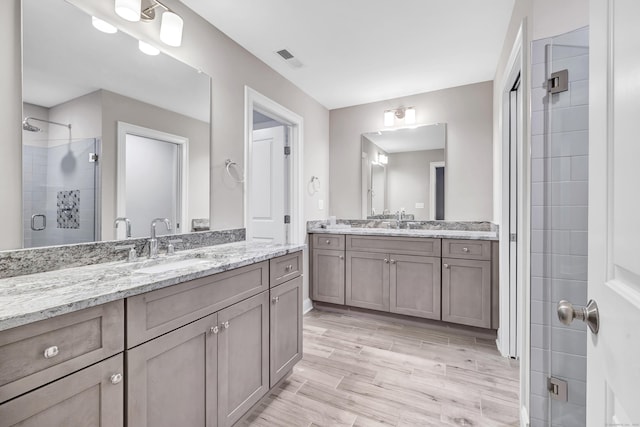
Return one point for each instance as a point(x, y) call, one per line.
point(108, 131)
point(403, 171)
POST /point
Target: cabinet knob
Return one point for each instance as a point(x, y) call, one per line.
point(445, 265)
point(386, 261)
point(393, 261)
point(328, 242)
point(341, 257)
point(225, 325)
point(465, 249)
point(115, 378)
point(275, 299)
point(51, 352)
point(289, 267)
point(214, 329)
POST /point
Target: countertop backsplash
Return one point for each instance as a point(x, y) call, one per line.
point(38, 260)
point(410, 224)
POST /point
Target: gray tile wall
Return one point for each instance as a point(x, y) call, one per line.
point(559, 175)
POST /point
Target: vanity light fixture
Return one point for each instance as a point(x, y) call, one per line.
point(171, 24)
point(103, 26)
point(383, 159)
point(408, 114)
point(147, 48)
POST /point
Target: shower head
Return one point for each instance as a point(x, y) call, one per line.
point(32, 128)
point(29, 127)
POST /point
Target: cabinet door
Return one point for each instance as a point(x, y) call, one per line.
point(466, 292)
point(367, 283)
point(92, 397)
point(172, 379)
point(415, 286)
point(328, 276)
point(285, 328)
point(243, 357)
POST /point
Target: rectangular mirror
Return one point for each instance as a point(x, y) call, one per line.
point(105, 123)
point(403, 170)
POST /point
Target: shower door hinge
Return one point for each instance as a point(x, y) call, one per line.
point(287, 150)
point(559, 82)
point(558, 389)
point(93, 157)
point(287, 219)
point(513, 237)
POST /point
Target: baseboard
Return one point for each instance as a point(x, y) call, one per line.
point(307, 306)
point(524, 417)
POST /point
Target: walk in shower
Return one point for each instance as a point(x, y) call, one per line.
point(59, 189)
point(559, 212)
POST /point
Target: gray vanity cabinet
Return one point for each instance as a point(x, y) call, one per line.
point(466, 292)
point(285, 328)
point(243, 357)
point(90, 397)
point(173, 380)
point(328, 275)
point(367, 280)
point(415, 286)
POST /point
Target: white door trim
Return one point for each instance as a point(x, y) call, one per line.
point(432, 188)
point(256, 101)
point(121, 169)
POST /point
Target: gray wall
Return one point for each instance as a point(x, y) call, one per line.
point(409, 180)
point(467, 112)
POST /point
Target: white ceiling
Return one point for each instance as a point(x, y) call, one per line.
point(65, 57)
point(427, 137)
point(360, 51)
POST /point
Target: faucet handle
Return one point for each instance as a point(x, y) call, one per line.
point(170, 246)
point(132, 251)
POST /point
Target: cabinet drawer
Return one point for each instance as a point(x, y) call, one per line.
point(158, 312)
point(285, 268)
point(328, 241)
point(71, 341)
point(398, 245)
point(466, 249)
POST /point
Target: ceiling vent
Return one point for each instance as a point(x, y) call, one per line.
point(288, 57)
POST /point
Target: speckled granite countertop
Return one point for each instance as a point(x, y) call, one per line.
point(403, 232)
point(29, 298)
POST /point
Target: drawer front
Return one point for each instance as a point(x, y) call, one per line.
point(41, 352)
point(158, 312)
point(466, 249)
point(285, 268)
point(398, 245)
point(328, 241)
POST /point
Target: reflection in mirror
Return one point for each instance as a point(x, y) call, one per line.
point(80, 86)
point(403, 171)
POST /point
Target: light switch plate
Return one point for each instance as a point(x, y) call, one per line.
point(419, 205)
point(320, 204)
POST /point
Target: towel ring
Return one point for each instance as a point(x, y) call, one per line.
point(228, 164)
point(315, 184)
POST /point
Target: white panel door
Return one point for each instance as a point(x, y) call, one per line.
point(613, 355)
point(153, 183)
point(268, 185)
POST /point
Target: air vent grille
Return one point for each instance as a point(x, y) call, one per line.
point(285, 54)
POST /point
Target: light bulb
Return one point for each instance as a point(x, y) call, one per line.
point(103, 26)
point(410, 116)
point(171, 29)
point(388, 118)
point(129, 9)
point(147, 48)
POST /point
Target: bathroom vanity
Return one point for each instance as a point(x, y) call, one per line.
point(446, 275)
point(196, 339)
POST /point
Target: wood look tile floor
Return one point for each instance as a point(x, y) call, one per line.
point(359, 371)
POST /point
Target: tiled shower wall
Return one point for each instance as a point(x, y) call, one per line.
point(559, 151)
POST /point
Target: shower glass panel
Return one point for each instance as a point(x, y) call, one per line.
point(59, 191)
point(559, 215)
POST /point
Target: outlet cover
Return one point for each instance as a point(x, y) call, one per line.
point(419, 205)
point(320, 204)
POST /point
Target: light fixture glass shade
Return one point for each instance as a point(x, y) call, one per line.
point(147, 48)
point(129, 9)
point(103, 26)
point(171, 29)
point(383, 159)
point(388, 118)
point(410, 116)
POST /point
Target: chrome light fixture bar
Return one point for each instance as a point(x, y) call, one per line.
point(171, 24)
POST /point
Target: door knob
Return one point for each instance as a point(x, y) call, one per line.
point(589, 314)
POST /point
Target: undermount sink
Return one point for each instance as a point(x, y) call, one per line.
point(168, 266)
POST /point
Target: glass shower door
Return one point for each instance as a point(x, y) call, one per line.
point(59, 191)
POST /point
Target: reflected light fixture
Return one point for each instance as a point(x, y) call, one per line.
point(147, 48)
point(383, 159)
point(129, 9)
point(103, 26)
point(408, 114)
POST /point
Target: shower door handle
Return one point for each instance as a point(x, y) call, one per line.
point(33, 222)
point(589, 314)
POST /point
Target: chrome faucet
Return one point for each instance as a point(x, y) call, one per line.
point(153, 242)
point(126, 222)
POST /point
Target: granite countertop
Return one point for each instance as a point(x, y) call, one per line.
point(33, 297)
point(403, 232)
